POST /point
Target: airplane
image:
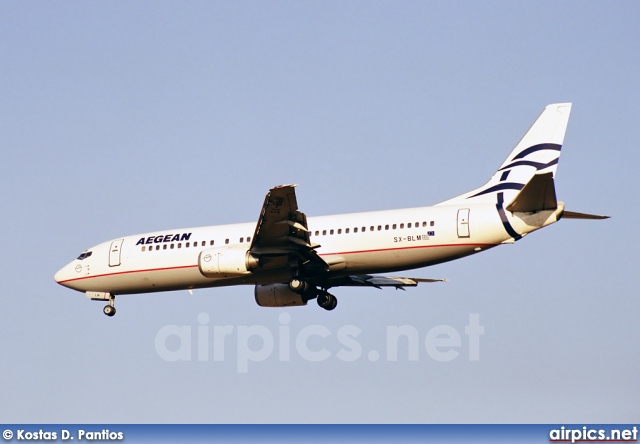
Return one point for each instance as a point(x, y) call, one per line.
point(291, 259)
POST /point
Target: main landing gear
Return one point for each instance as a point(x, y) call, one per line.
point(297, 285)
point(325, 300)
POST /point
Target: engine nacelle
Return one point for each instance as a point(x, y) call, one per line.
point(228, 261)
point(277, 295)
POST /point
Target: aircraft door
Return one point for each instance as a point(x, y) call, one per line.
point(115, 252)
point(463, 222)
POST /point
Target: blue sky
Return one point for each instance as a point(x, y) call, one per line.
point(125, 117)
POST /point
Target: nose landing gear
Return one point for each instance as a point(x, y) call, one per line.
point(110, 308)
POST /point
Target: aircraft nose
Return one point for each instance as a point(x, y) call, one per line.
point(58, 276)
point(68, 277)
point(62, 275)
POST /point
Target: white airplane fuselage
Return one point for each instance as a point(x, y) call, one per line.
point(383, 242)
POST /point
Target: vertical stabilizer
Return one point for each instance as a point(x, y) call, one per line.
point(537, 153)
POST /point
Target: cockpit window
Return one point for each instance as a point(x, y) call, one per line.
point(85, 255)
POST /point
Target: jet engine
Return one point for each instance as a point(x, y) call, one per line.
point(277, 295)
point(224, 262)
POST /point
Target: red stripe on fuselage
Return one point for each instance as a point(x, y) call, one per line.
point(325, 254)
point(129, 272)
point(409, 248)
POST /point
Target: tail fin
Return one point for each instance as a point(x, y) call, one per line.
point(535, 155)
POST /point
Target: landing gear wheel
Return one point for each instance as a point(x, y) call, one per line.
point(109, 310)
point(327, 301)
point(297, 285)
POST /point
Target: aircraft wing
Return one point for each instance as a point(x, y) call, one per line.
point(282, 231)
point(367, 280)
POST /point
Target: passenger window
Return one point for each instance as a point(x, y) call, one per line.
point(331, 232)
point(211, 243)
point(401, 226)
point(187, 245)
point(379, 227)
point(409, 225)
point(372, 228)
point(164, 247)
point(386, 227)
point(364, 229)
point(226, 241)
point(417, 225)
point(172, 246)
point(394, 226)
point(241, 239)
point(248, 238)
point(355, 229)
point(424, 224)
point(346, 231)
point(157, 247)
point(432, 223)
point(144, 248)
point(317, 233)
point(339, 230)
point(204, 243)
point(324, 232)
point(180, 245)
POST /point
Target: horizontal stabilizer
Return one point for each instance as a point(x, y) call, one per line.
point(574, 215)
point(538, 194)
